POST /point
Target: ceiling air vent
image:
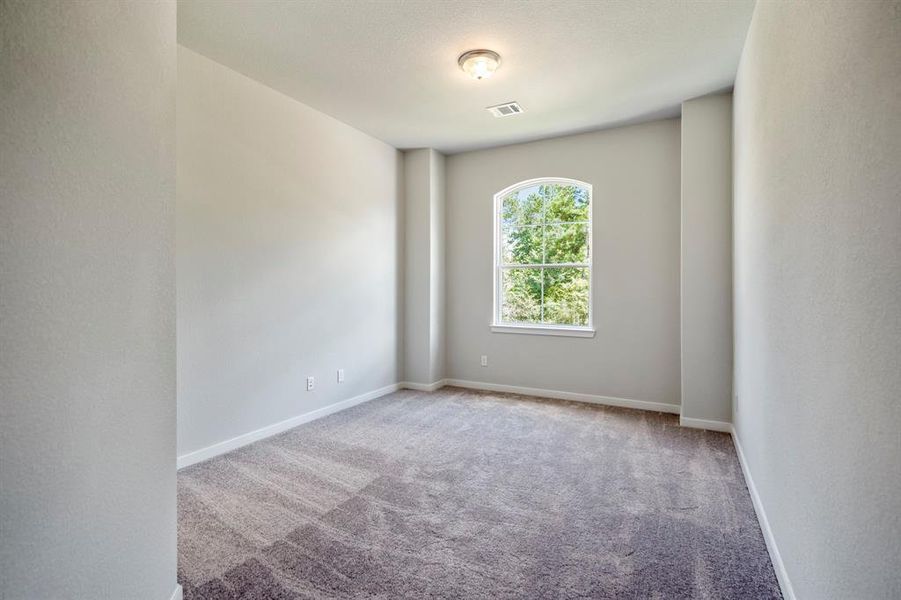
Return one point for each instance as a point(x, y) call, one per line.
point(507, 109)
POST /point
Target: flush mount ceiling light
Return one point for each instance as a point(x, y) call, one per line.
point(479, 64)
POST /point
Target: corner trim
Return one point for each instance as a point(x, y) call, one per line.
point(776, 558)
point(186, 460)
point(176, 593)
point(705, 424)
point(560, 395)
point(423, 387)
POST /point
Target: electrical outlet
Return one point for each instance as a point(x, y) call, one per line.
point(340, 375)
point(311, 383)
point(484, 360)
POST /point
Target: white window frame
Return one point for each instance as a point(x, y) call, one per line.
point(497, 325)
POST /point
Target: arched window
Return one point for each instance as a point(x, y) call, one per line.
point(542, 258)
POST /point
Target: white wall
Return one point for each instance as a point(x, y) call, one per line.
point(288, 256)
point(818, 289)
point(707, 258)
point(635, 353)
point(424, 341)
point(437, 267)
point(87, 334)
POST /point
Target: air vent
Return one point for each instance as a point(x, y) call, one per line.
point(507, 109)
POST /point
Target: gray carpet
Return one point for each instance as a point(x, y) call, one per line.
point(462, 494)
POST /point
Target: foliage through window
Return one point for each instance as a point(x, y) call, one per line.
point(543, 254)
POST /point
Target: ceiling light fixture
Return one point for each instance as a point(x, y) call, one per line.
point(479, 64)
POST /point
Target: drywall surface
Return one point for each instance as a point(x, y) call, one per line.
point(417, 264)
point(424, 343)
point(707, 258)
point(87, 334)
point(288, 250)
point(437, 263)
point(635, 352)
point(817, 254)
point(417, 289)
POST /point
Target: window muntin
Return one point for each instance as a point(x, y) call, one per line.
point(542, 269)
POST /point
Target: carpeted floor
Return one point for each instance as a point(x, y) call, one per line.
point(463, 494)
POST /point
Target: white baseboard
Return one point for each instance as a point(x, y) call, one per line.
point(559, 395)
point(197, 456)
point(423, 387)
point(177, 593)
point(705, 424)
point(209, 452)
point(776, 558)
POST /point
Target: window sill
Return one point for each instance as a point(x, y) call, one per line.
point(584, 332)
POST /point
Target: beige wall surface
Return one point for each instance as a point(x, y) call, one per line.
point(289, 229)
point(634, 355)
point(707, 258)
point(87, 333)
point(424, 341)
point(817, 251)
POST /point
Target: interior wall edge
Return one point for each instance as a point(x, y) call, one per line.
point(191, 458)
point(707, 424)
point(214, 450)
point(563, 395)
point(768, 537)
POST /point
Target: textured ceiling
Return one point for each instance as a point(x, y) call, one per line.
point(389, 67)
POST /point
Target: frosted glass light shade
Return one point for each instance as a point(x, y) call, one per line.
point(479, 64)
